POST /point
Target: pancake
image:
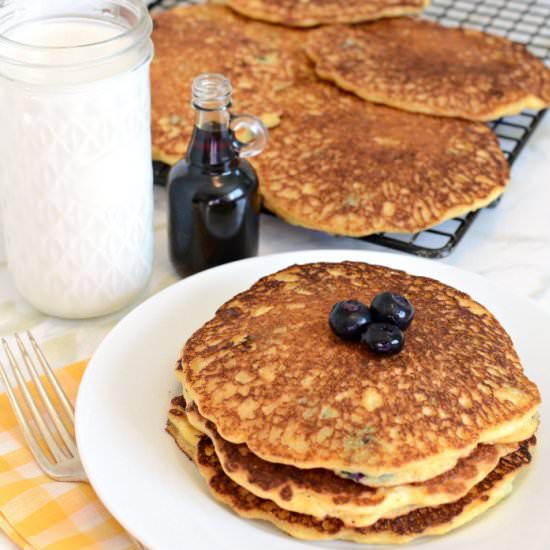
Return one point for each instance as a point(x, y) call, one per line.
point(268, 371)
point(321, 493)
point(259, 59)
point(308, 13)
point(424, 67)
point(423, 521)
point(179, 427)
point(348, 167)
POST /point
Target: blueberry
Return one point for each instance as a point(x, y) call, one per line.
point(388, 307)
point(383, 338)
point(348, 319)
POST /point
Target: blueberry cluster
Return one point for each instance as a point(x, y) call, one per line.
point(381, 326)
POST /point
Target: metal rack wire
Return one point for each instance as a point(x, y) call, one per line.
point(524, 21)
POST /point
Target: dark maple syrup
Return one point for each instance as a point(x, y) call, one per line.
point(213, 195)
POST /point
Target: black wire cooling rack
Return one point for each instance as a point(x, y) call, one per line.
point(524, 21)
point(527, 22)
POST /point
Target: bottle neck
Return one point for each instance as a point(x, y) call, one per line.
point(206, 118)
point(211, 147)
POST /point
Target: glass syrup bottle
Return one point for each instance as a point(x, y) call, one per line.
point(213, 200)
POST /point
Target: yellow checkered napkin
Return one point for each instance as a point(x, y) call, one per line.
point(37, 512)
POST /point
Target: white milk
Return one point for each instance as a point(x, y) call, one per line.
point(64, 33)
point(75, 166)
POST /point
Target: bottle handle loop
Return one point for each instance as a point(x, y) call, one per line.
point(252, 127)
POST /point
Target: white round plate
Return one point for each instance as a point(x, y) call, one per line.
point(156, 493)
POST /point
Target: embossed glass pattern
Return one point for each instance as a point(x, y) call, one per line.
point(75, 169)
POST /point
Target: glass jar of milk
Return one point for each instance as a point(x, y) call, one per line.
point(75, 152)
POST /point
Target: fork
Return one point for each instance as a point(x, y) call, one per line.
point(57, 456)
point(58, 461)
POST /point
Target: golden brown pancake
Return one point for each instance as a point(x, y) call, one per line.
point(424, 67)
point(321, 493)
point(178, 425)
point(349, 167)
point(268, 371)
point(259, 59)
point(307, 13)
point(423, 521)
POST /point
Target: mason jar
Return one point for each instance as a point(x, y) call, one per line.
point(76, 185)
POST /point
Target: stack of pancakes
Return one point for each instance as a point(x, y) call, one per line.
point(377, 126)
point(325, 439)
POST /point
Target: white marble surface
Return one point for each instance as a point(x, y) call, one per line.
point(510, 245)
